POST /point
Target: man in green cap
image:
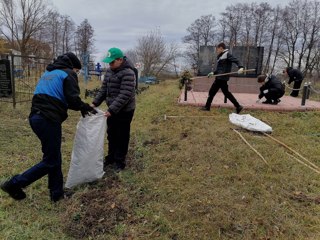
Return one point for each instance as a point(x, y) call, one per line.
point(118, 90)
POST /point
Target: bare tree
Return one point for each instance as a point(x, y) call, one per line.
point(151, 49)
point(261, 17)
point(233, 17)
point(291, 31)
point(84, 38)
point(22, 20)
point(67, 30)
point(132, 55)
point(53, 33)
point(274, 38)
point(201, 33)
point(312, 35)
point(154, 53)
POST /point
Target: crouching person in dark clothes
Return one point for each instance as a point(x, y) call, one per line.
point(56, 92)
point(118, 90)
point(272, 89)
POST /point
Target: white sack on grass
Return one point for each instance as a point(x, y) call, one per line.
point(87, 154)
point(248, 122)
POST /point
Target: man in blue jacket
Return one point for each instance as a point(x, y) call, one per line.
point(56, 92)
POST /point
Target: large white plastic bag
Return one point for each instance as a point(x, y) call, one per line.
point(87, 153)
point(248, 122)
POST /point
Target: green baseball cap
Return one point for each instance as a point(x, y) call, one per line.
point(113, 54)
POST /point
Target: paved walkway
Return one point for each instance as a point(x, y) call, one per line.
point(248, 101)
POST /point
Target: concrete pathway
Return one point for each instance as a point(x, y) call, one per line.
point(248, 101)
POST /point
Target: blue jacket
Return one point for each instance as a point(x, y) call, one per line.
point(57, 91)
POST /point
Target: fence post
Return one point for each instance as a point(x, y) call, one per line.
point(14, 102)
point(185, 90)
point(304, 94)
point(308, 90)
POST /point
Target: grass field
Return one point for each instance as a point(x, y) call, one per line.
point(187, 178)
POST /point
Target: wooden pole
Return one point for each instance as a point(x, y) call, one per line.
point(224, 74)
point(251, 146)
point(287, 147)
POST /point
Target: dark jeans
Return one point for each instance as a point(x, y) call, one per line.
point(216, 85)
point(49, 134)
point(274, 94)
point(118, 130)
point(296, 85)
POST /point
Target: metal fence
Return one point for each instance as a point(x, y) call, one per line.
point(23, 73)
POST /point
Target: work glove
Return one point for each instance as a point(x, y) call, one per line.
point(86, 109)
point(210, 74)
point(260, 95)
point(240, 71)
point(265, 91)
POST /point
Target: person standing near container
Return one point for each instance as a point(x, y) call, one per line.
point(118, 90)
point(57, 91)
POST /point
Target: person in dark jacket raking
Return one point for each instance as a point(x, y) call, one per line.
point(55, 93)
point(118, 90)
point(272, 89)
point(224, 65)
point(296, 76)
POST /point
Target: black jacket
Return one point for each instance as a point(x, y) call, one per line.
point(295, 75)
point(118, 89)
point(224, 64)
point(273, 84)
point(57, 91)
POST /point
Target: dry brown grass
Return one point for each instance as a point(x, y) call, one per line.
point(187, 178)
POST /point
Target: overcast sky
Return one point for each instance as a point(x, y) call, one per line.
point(119, 23)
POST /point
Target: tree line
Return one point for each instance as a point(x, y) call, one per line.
point(35, 28)
point(290, 35)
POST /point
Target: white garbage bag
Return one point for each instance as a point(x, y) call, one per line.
point(248, 122)
point(88, 153)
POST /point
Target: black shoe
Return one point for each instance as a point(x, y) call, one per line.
point(275, 102)
point(67, 193)
point(15, 192)
point(119, 166)
point(239, 109)
point(107, 161)
point(267, 102)
point(204, 109)
point(57, 198)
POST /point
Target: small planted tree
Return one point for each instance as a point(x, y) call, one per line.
point(185, 80)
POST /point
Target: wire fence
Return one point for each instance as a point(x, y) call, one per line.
point(21, 76)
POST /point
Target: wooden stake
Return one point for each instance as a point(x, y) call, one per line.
point(251, 146)
point(224, 74)
point(303, 163)
point(284, 145)
point(177, 116)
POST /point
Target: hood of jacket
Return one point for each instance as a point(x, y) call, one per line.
point(62, 62)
